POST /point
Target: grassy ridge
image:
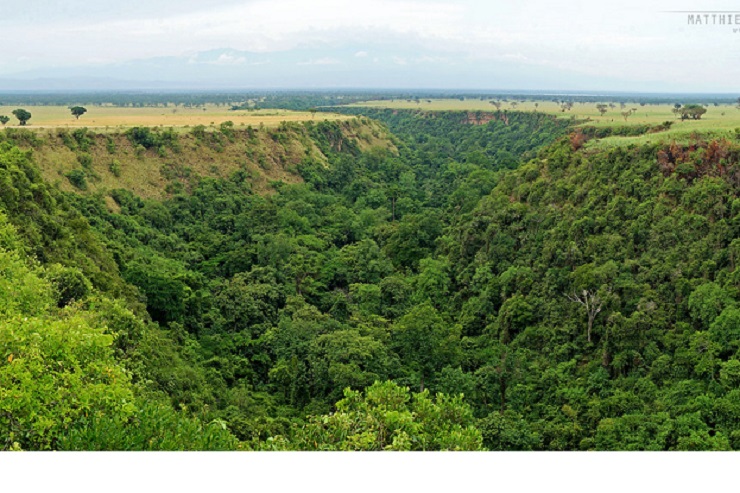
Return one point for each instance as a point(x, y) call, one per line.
point(720, 121)
point(116, 117)
point(87, 161)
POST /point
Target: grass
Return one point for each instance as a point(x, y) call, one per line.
point(719, 121)
point(111, 161)
point(112, 118)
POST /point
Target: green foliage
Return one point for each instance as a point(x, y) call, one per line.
point(425, 342)
point(165, 292)
point(55, 370)
point(79, 138)
point(579, 299)
point(77, 111)
point(707, 301)
point(64, 387)
point(53, 230)
point(78, 178)
point(85, 160)
point(153, 427)
point(110, 145)
point(52, 382)
point(300, 294)
point(115, 168)
point(154, 138)
point(227, 129)
point(22, 115)
point(69, 283)
point(690, 111)
point(388, 417)
point(508, 431)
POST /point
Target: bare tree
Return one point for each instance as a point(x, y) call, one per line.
point(591, 302)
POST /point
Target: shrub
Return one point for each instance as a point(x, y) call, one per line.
point(85, 160)
point(111, 146)
point(69, 283)
point(77, 178)
point(115, 168)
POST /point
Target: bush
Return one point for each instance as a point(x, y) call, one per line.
point(149, 139)
point(140, 151)
point(111, 146)
point(85, 160)
point(152, 427)
point(227, 129)
point(115, 168)
point(199, 132)
point(83, 138)
point(77, 178)
point(69, 283)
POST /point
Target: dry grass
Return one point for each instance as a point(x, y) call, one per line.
point(150, 174)
point(101, 117)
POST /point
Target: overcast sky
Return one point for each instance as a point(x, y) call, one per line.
point(494, 44)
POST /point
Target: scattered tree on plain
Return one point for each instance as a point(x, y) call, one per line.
point(78, 111)
point(22, 115)
point(689, 112)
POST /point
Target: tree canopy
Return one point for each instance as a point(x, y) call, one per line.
point(77, 111)
point(448, 281)
point(22, 115)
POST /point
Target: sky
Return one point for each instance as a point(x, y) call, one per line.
point(467, 44)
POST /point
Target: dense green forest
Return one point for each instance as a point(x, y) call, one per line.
point(484, 283)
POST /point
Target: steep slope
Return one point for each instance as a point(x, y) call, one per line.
point(154, 163)
point(584, 299)
point(53, 230)
point(601, 289)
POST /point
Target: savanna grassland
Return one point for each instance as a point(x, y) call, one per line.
point(117, 117)
point(720, 120)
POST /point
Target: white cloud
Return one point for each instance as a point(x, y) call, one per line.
point(321, 61)
point(227, 59)
point(632, 40)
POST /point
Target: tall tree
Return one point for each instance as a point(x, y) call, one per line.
point(22, 115)
point(425, 342)
point(78, 111)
